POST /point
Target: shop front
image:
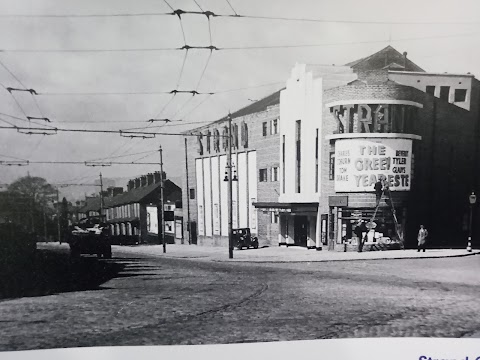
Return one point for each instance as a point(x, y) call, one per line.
point(372, 179)
point(378, 228)
point(297, 223)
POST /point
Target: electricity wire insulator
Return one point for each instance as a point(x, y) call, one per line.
point(31, 91)
point(38, 132)
point(164, 120)
point(14, 163)
point(145, 136)
point(38, 118)
point(94, 164)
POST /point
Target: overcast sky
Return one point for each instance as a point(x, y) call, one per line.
point(445, 38)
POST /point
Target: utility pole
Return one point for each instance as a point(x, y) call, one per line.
point(101, 198)
point(45, 224)
point(188, 196)
point(162, 212)
point(58, 218)
point(230, 200)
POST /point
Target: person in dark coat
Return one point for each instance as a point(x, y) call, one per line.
point(422, 238)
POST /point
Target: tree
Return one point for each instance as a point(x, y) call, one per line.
point(33, 198)
point(33, 187)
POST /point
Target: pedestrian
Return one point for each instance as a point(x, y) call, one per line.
point(422, 238)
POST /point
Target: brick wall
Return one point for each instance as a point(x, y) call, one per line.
point(387, 91)
point(267, 152)
point(446, 162)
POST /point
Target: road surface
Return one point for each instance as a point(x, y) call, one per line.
point(145, 300)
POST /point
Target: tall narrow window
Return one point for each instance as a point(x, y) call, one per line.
point(331, 168)
point(283, 164)
point(274, 176)
point(316, 162)
point(444, 92)
point(264, 129)
point(298, 129)
point(274, 127)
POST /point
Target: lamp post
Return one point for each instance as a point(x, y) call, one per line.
point(228, 177)
point(472, 199)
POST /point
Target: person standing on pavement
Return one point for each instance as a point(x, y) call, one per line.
point(422, 238)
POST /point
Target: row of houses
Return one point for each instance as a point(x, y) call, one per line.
point(132, 215)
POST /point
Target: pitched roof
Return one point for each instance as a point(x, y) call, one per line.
point(132, 196)
point(257, 106)
point(382, 59)
point(91, 204)
point(140, 193)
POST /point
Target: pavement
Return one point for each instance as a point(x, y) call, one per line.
point(275, 254)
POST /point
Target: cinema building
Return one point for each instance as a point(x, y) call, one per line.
point(255, 146)
point(341, 129)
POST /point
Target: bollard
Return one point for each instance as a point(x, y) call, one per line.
point(469, 244)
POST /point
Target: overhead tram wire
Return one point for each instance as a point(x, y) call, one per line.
point(120, 156)
point(126, 133)
point(24, 86)
point(260, 47)
point(231, 7)
point(236, 15)
point(87, 163)
point(149, 93)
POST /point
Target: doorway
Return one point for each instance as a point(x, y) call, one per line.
point(301, 227)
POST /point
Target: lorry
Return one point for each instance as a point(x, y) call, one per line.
point(89, 236)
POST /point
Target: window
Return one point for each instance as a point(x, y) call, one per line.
point(444, 91)
point(264, 129)
point(283, 164)
point(192, 194)
point(274, 176)
point(331, 168)
point(274, 218)
point(460, 95)
point(316, 162)
point(263, 175)
point(298, 129)
point(430, 89)
point(274, 127)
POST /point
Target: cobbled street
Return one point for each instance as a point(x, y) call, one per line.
point(146, 300)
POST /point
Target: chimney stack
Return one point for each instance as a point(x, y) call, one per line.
point(157, 177)
point(405, 60)
point(110, 191)
point(130, 185)
point(143, 180)
point(149, 179)
point(137, 183)
point(117, 191)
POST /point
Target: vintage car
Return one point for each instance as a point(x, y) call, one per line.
point(243, 239)
point(90, 236)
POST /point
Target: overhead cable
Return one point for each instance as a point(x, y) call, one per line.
point(211, 47)
point(121, 132)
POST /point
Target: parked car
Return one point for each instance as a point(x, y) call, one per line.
point(242, 238)
point(90, 236)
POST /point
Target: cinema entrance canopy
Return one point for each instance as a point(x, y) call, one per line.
point(291, 208)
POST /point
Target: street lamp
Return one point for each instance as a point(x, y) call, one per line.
point(229, 178)
point(472, 199)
